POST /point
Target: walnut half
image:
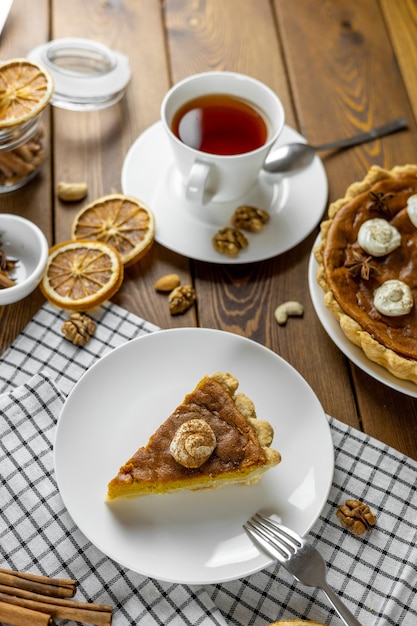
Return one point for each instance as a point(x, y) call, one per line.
point(229, 241)
point(250, 218)
point(181, 299)
point(356, 516)
point(79, 329)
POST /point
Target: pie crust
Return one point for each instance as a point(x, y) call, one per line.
point(389, 341)
point(242, 452)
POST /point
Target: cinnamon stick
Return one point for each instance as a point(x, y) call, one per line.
point(17, 164)
point(86, 612)
point(13, 165)
point(21, 616)
point(5, 281)
point(56, 587)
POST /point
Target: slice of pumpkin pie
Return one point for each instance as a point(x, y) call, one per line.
point(212, 439)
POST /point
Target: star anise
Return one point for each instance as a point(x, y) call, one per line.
point(379, 201)
point(361, 265)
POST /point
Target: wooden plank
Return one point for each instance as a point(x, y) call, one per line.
point(342, 46)
point(360, 86)
point(401, 23)
point(237, 36)
point(91, 146)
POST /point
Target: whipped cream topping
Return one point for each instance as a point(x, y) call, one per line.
point(412, 209)
point(378, 237)
point(193, 443)
point(393, 298)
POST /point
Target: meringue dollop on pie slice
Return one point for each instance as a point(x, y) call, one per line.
point(212, 439)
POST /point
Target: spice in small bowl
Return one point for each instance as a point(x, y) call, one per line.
point(7, 265)
point(24, 253)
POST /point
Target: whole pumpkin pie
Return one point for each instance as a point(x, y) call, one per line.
point(368, 267)
point(212, 439)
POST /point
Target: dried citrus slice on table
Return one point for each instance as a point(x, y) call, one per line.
point(25, 90)
point(124, 222)
point(81, 275)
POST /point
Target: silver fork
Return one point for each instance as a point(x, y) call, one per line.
point(300, 558)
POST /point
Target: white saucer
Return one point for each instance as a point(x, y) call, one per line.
point(354, 353)
point(295, 202)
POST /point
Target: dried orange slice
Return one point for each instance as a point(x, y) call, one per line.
point(25, 90)
point(81, 275)
point(122, 221)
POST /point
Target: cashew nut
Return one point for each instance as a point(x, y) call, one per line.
point(71, 192)
point(287, 309)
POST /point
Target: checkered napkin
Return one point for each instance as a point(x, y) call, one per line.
point(375, 574)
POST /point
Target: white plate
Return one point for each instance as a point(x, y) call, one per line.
point(295, 202)
point(188, 537)
point(354, 353)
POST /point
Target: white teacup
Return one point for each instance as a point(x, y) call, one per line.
point(221, 177)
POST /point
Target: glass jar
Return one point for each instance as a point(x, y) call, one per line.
point(25, 91)
point(71, 73)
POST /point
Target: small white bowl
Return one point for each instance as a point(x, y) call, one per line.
point(22, 240)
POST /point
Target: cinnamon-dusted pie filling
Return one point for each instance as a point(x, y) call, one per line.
point(212, 439)
point(368, 267)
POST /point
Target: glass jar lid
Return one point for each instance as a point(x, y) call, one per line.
point(87, 75)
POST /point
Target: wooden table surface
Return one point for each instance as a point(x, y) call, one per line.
point(339, 66)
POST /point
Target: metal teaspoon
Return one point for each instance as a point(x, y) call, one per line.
point(296, 156)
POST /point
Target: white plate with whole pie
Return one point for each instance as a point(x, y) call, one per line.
point(187, 537)
point(352, 352)
point(295, 202)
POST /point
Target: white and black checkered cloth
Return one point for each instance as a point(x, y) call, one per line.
point(375, 574)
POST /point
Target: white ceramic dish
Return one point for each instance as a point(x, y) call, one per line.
point(355, 354)
point(194, 538)
point(5, 7)
point(295, 202)
point(22, 240)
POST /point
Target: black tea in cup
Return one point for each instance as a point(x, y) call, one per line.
point(220, 124)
